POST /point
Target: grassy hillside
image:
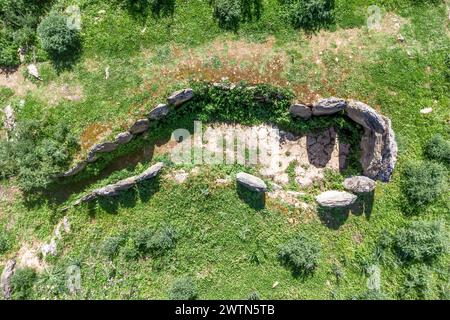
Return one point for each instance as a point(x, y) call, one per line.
point(226, 246)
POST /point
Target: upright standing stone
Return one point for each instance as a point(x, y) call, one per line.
point(251, 182)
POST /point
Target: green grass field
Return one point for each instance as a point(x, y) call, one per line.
point(228, 247)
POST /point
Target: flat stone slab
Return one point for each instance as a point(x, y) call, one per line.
point(179, 97)
point(251, 182)
point(5, 278)
point(123, 137)
point(359, 184)
point(104, 147)
point(150, 172)
point(159, 112)
point(328, 106)
point(365, 116)
point(335, 199)
point(301, 111)
point(140, 126)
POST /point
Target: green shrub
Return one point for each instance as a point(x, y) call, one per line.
point(309, 14)
point(301, 254)
point(421, 241)
point(155, 242)
point(230, 13)
point(110, 247)
point(417, 283)
point(22, 283)
point(4, 244)
point(372, 295)
point(36, 153)
point(423, 182)
point(183, 289)
point(56, 37)
point(438, 149)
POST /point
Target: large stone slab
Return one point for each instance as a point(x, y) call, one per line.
point(365, 116)
point(301, 111)
point(140, 126)
point(328, 106)
point(251, 182)
point(5, 278)
point(359, 184)
point(159, 112)
point(75, 169)
point(104, 147)
point(179, 97)
point(123, 137)
point(335, 199)
point(150, 172)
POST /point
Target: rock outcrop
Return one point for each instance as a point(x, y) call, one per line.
point(122, 185)
point(140, 126)
point(179, 97)
point(301, 111)
point(335, 199)
point(328, 106)
point(123, 137)
point(251, 182)
point(159, 112)
point(359, 184)
point(5, 278)
point(365, 116)
point(10, 120)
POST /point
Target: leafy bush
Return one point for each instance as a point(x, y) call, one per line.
point(110, 247)
point(4, 244)
point(301, 254)
point(22, 282)
point(438, 149)
point(417, 283)
point(229, 13)
point(309, 14)
point(36, 153)
point(56, 37)
point(372, 295)
point(183, 289)
point(155, 242)
point(19, 21)
point(424, 182)
point(421, 241)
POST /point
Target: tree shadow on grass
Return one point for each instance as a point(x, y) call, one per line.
point(140, 9)
point(66, 61)
point(256, 200)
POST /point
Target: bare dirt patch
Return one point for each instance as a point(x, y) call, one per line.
point(16, 82)
point(93, 134)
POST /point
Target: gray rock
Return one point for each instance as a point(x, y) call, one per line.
point(300, 110)
point(49, 248)
point(75, 169)
point(251, 182)
point(140, 126)
point(10, 119)
point(179, 97)
point(365, 116)
point(91, 157)
point(123, 137)
point(359, 184)
point(5, 278)
point(33, 71)
point(379, 153)
point(150, 172)
point(335, 199)
point(328, 106)
point(159, 112)
point(104, 147)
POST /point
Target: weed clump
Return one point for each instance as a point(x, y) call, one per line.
point(301, 254)
point(183, 289)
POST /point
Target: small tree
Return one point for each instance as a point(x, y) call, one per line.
point(423, 182)
point(301, 254)
point(228, 13)
point(183, 289)
point(421, 241)
point(438, 149)
point(309, 14)
point(57, 38)
point(22, 283)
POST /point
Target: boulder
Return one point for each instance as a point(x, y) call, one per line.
point(104, 147)
point(10, 119)
point(301, 111)
point(75, 169)
point(335, 199)
point(150, 172)
point(33, 71)
point(49, 248)
point(365, 116)
point(251, 182)
point(5, 278)
point(179, 97)
point(359, 184)
point(123, 137)
point(379, 153)
point(139, 126)
point(159, 112)
point(328, 106)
